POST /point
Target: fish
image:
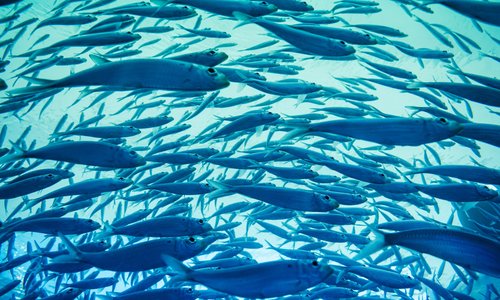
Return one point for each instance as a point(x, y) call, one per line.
point(406, 131)
point(456, 246)
point(242, 149)
point(195, 78)
point(262, 280)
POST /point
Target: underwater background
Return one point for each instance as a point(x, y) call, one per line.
point(32, 124)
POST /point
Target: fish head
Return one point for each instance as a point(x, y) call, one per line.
point(187, 11)
point(207, 186)
point(379, 178)
point(51, 178)
point(325, 202)
point(191, 246)
point(215, 54)
point(133, 158)
point(410, 281)
point(131, 130)
point(370, 39)
point(204, 226)
point(257, 76)
point(213, 79)
point(341, 46)
point(269, 116)
point(448, 126)
point(261, 8)
point(189, 293)
point(133, 36)
point(122, 182)
point(66, 173)
point(304, 6)
point(312, 173)
point(89, 224)
point(486, 192)
point(101, 245)
point(314, 271)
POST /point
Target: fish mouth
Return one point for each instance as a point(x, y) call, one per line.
point(222, 81)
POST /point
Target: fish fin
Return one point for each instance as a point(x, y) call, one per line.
point(70, 246)
point(374, 246)
point(294, 133)
point(220, 186)
point(99, 60)
point(178, 266)
point(30, 89)
point(198, 23)
point(18, 153)
point(244, 18)
point(107, 231)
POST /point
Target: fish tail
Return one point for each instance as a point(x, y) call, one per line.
point(221, 187)
point(107, 232)
point(374, 246)
point(295, 133)
point(18, 154)
point(244, 18)
point(183, 270)
point(70, 246)
point(45, 85)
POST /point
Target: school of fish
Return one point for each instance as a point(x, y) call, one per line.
point(240, 149)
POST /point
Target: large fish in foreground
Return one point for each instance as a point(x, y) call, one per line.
point(143, 73)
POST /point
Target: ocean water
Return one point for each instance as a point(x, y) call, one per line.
point(33, 125)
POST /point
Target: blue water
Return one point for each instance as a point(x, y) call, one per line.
point(39, 122)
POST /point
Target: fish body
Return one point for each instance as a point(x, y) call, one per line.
point(471, 251)
point(392, 131)
point(85, 152)
point(262, 280)
point(162, 74)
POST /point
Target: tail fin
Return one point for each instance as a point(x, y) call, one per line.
point(45, 84)
point(106, 233)
point(374, 246)
point(18, 154)
point(295, 133)
point(69, 245)
point(244, 18)
point(183, 270)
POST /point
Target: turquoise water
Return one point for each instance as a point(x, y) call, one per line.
point(38, 120)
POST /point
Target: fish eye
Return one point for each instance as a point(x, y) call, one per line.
point(211, 52)
point(49, 175)
point(133, 152)
point(264, 3)
point(189, 290)
point(381, 175)
point(327, 197)
point(342, 42)
point(185, 7)
point(200, 221)
point(121, 179)
point(443, 120)
point(315, 263)
point(211, 71)
point(191, 239)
